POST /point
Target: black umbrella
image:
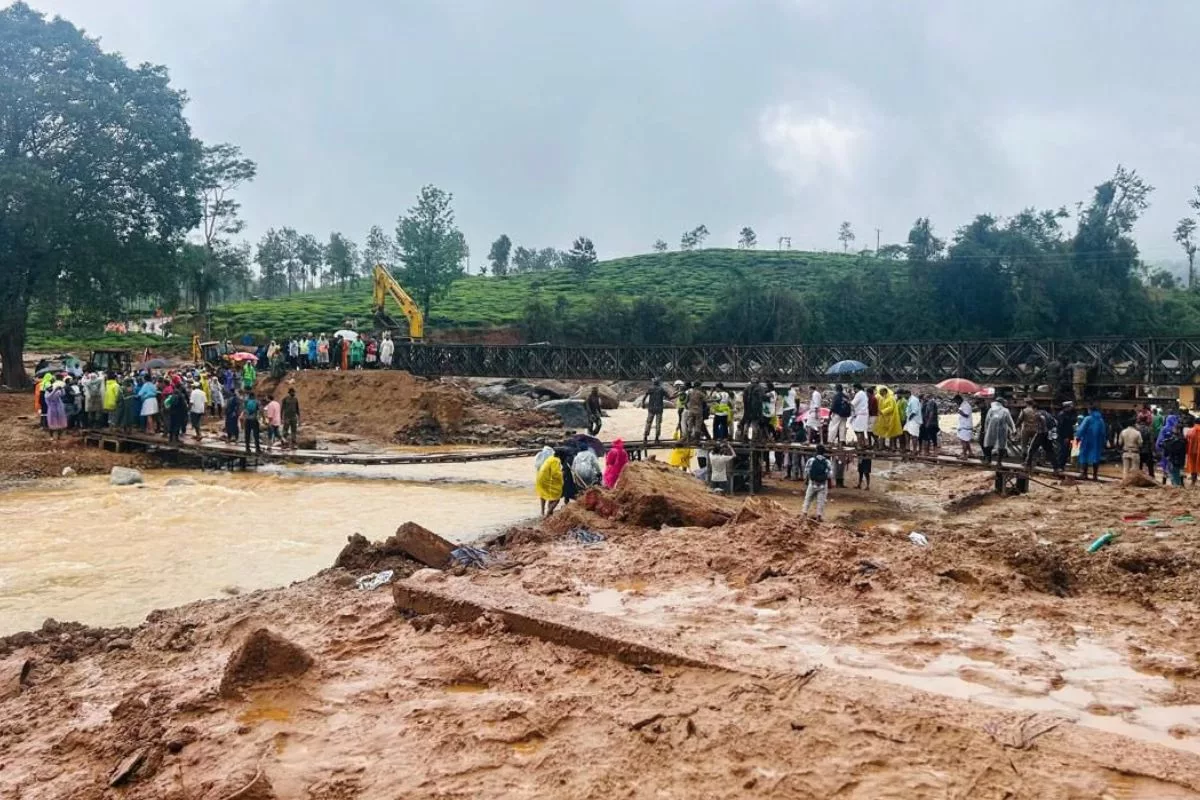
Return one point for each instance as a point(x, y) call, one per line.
point(154, 363)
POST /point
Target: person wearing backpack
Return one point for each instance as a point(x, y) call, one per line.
point(839, 415)
point(818, 472)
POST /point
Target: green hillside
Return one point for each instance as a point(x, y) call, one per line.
point(692, 278)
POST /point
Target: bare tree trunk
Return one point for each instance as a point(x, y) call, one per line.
point(12, 349)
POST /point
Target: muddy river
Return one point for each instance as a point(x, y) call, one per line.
point(84, 550)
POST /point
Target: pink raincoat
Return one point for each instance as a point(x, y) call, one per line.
point(614, 463)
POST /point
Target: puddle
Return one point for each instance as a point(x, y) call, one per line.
point(266, 708)
point(465, 687)
point(1007, 666)
point(530, 744)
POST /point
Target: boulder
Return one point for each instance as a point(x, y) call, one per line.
point(306, 443)
point(423, 545)
point(179, 482)
point(263, 656)
point(123, 476)
point(555, 390)
point(68, 472)
point(573, 413)
point(608, 397)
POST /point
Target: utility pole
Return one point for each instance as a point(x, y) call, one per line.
point(877, 241)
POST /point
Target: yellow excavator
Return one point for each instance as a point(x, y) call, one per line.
point(384, 286)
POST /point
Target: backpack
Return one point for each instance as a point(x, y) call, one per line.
point(818, 469)
point(841, 407)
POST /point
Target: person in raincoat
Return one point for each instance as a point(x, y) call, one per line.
point(1192, 465)
point(1168, 428)
point(998, 427)
point(586, 469)
point(549, 484)
point(56, 412)
point(615, 461)
point(357, 352)
point(1092, 434)
point(249, 375)
point(680, 457)
point(887, 425)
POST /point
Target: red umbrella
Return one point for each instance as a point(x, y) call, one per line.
point(243, 357)
point(959, 386)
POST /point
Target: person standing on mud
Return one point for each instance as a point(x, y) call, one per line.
point(998, 428)
point(198, 402)
point(966, 425)
point(1066, 434)
point(1027, 424)
point(1092, 433)
point(251, 412)
point(291, 417)
point(595, 415)
point(386, 349)
point(818, 472)
point(653, 401)
point(1131, 448)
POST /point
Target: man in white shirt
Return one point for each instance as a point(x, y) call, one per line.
point(789, 407)
point(196, 403)
point(860, 409)
point(812, 422)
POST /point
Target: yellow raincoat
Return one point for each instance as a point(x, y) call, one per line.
point(681, 457)
point(549, 482)
point(887, 426)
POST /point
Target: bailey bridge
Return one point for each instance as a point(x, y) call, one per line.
point(1118, 362)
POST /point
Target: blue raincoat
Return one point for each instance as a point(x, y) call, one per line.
point(1091, 434)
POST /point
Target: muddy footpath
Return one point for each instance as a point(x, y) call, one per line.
point(659, 640)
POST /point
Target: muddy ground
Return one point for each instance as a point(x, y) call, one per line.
point(834, 660)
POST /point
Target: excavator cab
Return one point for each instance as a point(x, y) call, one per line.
point(386, 286)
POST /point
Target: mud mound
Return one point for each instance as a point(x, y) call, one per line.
point(263, 656)
point(66, 641)
point(651, 495)
point(395, 407)
point(1138, 480)
point(363, 555)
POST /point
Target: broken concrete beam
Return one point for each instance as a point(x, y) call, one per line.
point(460, 601)
point(422, 545)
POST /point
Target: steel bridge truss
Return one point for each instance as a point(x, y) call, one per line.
point(1113, 361)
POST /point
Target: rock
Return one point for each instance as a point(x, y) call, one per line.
point(179, 482)
point(555, 390)
point(119, 644)
point(572, 413)
point(13, 674)
point(491, 392)
point(608, 397)
point(128, 767)
point(263, 656)
point(306, 443)
point(68, 472)
point(123, 476)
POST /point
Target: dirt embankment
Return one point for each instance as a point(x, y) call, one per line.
point(337, 695)
point(393, 407)
point(28, 452)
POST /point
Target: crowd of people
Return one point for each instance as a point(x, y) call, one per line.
point(169, 403)
point(561, 473)
point(344, 350)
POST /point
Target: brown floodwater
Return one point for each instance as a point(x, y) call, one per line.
point(86, 551)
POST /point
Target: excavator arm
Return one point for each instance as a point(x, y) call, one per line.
point(384, 286)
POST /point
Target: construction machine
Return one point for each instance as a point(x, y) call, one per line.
point(111, 360)
point(209, 353)
point(384, 286)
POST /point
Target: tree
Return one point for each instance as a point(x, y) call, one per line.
point(498, 255)
point(310, 255)
point(293, 270)
point(1185, 234)
point(922, 244)
point(99, 176)
point(222, 171)
point(660, 246)
point(379, 249)
point(582, 256)
point(527, 259)
point(747, 238)
point(891, 252)
point(341, 259)
point(272, 258)
point(845, 235)
point(754, 312)
point(694, 238)
point(431, 248)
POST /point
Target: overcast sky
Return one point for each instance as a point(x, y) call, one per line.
point(630, 120)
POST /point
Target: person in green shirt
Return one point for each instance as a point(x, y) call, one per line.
point(249, 375)
point(1156, 423)
point(357, 351)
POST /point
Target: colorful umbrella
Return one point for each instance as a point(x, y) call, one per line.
point(243, 357)
point(846, 368)
point(959, 386)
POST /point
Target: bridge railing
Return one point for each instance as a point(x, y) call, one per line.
point(1114, 361)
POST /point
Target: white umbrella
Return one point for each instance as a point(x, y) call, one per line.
point(348, 335)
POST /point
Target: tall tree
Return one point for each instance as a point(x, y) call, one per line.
point(341, 259)
point(272, 259)
point(660, 246)
point(498, 255)
point(582, 256)
point(431, 248)
point(289, 243)
point(379, 249)
point(99, 176)
point(311, 256)
point(845, 235)
point(922, 244)
point(1185, 234)
point(222, 171)
point(747, 238)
